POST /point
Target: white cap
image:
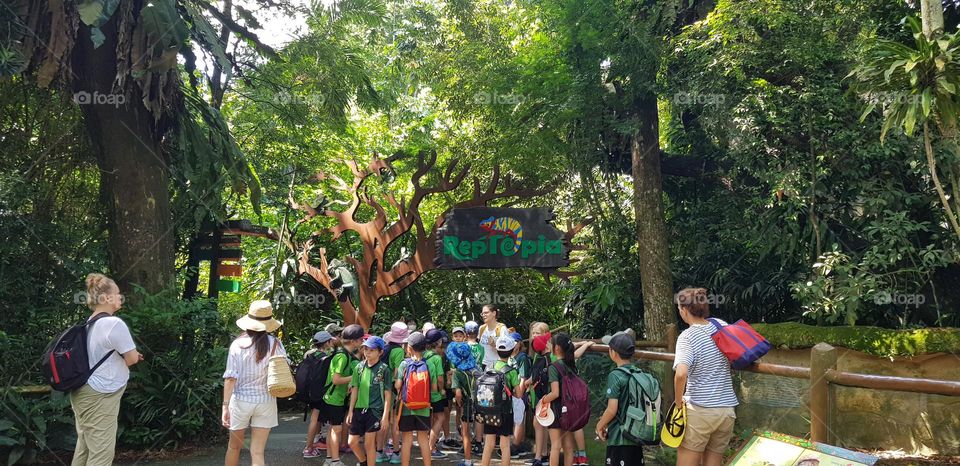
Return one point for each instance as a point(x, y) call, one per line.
point(427, 326)
point(506, 343)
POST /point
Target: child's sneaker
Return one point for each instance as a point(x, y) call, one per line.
point(581, 460)
point(438, 454)
point(395, 458)
point(321, 445)
point(383, 457)
point(311, 452)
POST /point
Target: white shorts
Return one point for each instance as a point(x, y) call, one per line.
point(244, 414)
point(518, 408)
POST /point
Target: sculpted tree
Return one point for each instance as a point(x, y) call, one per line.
point(373, 277)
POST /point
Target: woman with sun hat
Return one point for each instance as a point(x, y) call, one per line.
point(246, 400)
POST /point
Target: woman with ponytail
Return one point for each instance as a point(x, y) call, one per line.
point(563, 350)
point(97, 404)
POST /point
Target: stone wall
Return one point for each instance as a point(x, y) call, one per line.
point(862, 418)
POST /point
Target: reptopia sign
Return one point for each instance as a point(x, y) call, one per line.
point(497, 237)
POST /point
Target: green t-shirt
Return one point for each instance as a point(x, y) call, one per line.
point(512, 377)
point(341, 364)
point(395, 358)
point(401, 372)
point(435, 364)
point(478, 352)
point(617, 389)
point(522, 362)
point(371, 383)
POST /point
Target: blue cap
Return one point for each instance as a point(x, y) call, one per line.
point(516, 336)
point(471, 327)
point(374, 342)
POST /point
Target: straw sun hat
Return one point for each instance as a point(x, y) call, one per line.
point(259, 318)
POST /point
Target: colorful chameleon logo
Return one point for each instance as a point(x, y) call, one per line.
point(506, 226)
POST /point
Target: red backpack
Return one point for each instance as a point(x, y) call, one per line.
point(574, 400)
point(740, 343)
point(415, 391)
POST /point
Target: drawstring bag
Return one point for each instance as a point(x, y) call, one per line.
point(280, 381)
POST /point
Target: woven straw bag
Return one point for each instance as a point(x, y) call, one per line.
point(280, 381)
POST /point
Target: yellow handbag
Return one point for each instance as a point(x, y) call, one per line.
point(280, 381)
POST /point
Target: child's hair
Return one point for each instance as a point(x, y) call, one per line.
point(505, 354)
point(540, 327)
point(563, 341)
point(98, 285)
point(694, 300)
point(419, 348)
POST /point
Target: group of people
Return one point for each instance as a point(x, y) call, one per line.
point(380, 393)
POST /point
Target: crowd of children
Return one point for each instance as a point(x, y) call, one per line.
point(387, 392)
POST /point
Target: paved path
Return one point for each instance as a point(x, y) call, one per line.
point(284, 448)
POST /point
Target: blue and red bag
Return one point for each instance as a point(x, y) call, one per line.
point(740, 343)
point(415, 391)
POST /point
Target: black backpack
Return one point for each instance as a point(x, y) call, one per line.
point(311, 378)
point(66, 365)
point(492, 399)
point(540, 375)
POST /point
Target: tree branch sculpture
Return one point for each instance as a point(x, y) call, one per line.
point(374, 279)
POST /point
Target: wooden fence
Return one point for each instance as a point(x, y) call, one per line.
point(822, 374)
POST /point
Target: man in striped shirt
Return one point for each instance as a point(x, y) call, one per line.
point(703, 383)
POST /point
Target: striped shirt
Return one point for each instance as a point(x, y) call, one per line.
point(709, 383)
point(251, 376)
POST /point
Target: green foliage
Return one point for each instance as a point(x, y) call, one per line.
point(32, 427)
point(871, 340)
point(174, 392)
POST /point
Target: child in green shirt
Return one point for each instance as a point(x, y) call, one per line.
point(413, 420)
point(609, 428)
point(464, 382)
point(335, 400)
point(371, 393)
point(505, 346)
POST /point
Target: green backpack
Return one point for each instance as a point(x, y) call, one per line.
point(640, 415)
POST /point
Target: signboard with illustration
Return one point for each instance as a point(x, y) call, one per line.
point(496, 238)
point(774, 449)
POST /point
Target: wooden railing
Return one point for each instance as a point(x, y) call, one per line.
point(822, 374)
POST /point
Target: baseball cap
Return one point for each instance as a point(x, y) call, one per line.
point(352, 332)
point(540, 342)
point(674, 425)
point(516, 336)
point(458, 329)
point(416, 339)
point(333, 328)
point(622, 343)
point(606, 338)
point(322, 337)
point(374, 342)
point(471, 327)
point(506, 343)
point(433, 335)
point(428, 326)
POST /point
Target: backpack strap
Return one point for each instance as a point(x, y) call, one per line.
point(89, 325)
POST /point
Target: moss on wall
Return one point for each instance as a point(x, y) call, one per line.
point(871, 340)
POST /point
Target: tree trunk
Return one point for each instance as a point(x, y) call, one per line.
point(653, 248)
point(133, 169)
point(931, 17)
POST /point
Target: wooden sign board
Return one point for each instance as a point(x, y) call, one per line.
point(498, 238)
point(775, 449)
